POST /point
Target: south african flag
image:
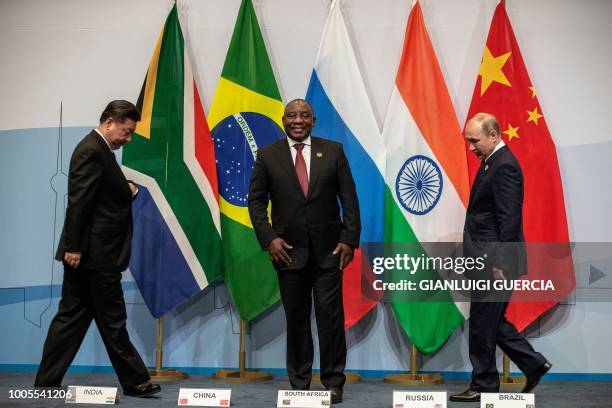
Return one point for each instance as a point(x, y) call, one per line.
point(176, 248)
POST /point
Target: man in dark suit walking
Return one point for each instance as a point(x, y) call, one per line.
point(95, 248)
point(306, 178)
point(494, 224)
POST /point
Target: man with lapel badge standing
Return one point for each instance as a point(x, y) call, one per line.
point(307, 179)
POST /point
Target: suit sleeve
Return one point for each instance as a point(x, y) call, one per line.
point(258, 202)
point(347, 194)
point(508, 198)
point(83, 184)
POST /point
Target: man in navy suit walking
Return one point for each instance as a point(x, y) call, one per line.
point(494, 219)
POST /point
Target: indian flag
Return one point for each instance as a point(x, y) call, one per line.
point(176, 247)
point(246, 114)
point(426, 177)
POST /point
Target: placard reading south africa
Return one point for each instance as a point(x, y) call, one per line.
point(419, 399)
point(303, 399)
point(204, 397)
point(507, 400)
point(76, 394)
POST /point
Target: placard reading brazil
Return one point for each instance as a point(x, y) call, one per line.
point(237, 139)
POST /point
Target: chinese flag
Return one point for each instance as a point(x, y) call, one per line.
point(503, 88)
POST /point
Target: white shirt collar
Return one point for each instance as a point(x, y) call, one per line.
point(103, 138)
point(292, 142)
point(497, 147)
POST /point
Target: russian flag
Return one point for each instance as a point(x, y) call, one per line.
point(338, 97)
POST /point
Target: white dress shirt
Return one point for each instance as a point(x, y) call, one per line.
point(497, 147)
point(305, 152)
point(103, 138)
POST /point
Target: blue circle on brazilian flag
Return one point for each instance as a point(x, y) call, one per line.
point(236, 140)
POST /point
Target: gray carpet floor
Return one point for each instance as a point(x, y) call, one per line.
point(369, 393)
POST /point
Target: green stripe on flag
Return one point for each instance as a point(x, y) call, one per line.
point(161, 157)
point(247, 62)
point(253, 290)
point(428, 324)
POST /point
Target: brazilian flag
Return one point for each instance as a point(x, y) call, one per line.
point(245, 115)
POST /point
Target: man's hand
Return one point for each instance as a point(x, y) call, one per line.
point(346, 254)
point(498, 274)
point(73, 259)
point(278, 255)
point(133, 188)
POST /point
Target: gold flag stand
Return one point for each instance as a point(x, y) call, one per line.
point(242, 375)
point(160, 374)
point(413, 378)
point(507, 379)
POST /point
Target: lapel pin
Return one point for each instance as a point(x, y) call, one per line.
point(319, 155)
point(486, 167)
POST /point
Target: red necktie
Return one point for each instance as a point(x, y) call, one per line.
point(300, 168)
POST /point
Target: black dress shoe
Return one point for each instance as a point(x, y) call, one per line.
point(466, 396)
point(533, 378)
point(142, 390)
point(336, 395)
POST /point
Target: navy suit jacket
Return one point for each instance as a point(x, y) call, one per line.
point(305, 222)
point(494, 219)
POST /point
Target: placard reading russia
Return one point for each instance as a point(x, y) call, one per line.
point(419, 399)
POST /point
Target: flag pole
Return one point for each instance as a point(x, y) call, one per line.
point(506, 378)
point(242, 375)
point(163, 374)
point(414, 377)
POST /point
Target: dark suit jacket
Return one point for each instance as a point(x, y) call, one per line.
point(494, 219)
point(303, 221)
point(98, 217)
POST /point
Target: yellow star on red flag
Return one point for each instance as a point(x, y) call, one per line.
point(534, 115)
point(491, 70)
point(533, 92)
point(511, 132)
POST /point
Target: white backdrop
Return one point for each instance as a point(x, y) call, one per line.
point(86, 52)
